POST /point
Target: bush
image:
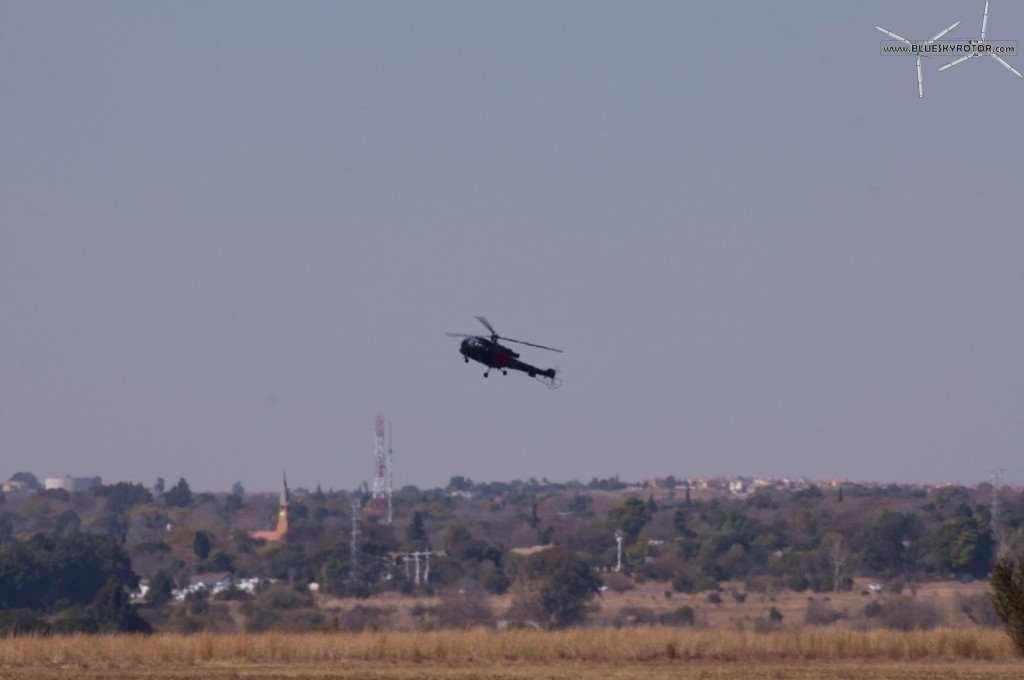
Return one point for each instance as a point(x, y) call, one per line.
point(21, 622)
point(464, 605)
point(361, 618)
point(819, 614)
point(637, 616)
point(684, 616)
point(618, 582)
point(906, 613)
point(280, 596)
point(979, 609)
point(1008, 598)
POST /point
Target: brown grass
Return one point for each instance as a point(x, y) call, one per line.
point(476, 647)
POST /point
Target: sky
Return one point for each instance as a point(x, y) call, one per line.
point(231, 233)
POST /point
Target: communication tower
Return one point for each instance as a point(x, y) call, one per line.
point(380, 463)
point(382, 475)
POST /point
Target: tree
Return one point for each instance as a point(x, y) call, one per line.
point(834, 547)
point(631, 515)
point(161, 588)
point(556, 584)
point(891, 544)
point(68, 523)
point(122, 497)
point(28, 479)
point(114, 613)
point(201, 544)
point(1008, 598)
point(159, 487)
point(68, 569)
point(963, 546)
point(416, 532)
point(180, 496)
point(460, 483)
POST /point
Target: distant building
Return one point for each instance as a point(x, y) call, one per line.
point(279, 533)
point(15, 486)
point(72, 484)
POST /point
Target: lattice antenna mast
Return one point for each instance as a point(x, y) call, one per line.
point(380, 464)
point(391, 473)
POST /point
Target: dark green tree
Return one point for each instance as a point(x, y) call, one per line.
point(52, 569)
point(161, 588)
point(14, 622)
point(1008, 598)
point(68, 523)
point(460, 483)
point(122, 497)
point(557, 583)
point(180, 496)
point(890, 545)
point(416, 531)
point(28, 479)
point(201, 544)
point(233, 503)
point(631, 515)
point(962, 546)
point(114, 613)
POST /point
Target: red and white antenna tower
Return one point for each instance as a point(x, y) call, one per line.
point(380, 465)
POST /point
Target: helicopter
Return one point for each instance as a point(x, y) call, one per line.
point(492, 354)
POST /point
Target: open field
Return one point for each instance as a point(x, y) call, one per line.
point(947, 598)
point(584, 653)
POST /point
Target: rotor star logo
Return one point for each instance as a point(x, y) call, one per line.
point(962, 51)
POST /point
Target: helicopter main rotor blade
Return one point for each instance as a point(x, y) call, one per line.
point(942, 33)
point(956, 61)
point(523, 342)
point(893, 35)
point(460, 335)
point(487, 325)
point(1003, 62)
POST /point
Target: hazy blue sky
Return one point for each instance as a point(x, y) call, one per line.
point(232, 232)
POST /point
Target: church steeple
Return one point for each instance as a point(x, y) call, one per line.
point(282, 509)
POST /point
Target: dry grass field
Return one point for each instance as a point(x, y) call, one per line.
point(723, 644)
point(650, 653)
point(610, 608)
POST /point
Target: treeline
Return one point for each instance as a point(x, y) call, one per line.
point(60, 551)
point(82, 577)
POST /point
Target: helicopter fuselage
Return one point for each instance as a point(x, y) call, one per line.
point(495, 355)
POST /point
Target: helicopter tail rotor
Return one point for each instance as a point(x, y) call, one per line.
point(549, 378)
